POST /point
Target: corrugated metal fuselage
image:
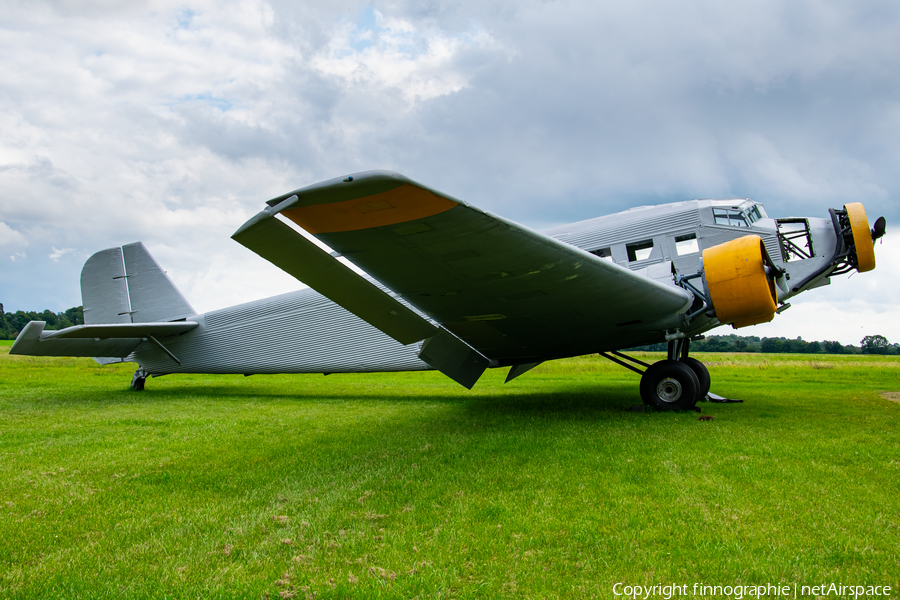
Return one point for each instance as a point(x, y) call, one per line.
point(298, 332)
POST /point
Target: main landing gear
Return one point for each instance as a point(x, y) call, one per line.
point(676, 383)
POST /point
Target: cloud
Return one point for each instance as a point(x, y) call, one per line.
point(391, 54)
point(9, 236)
point(17, 256)
point(57, 254)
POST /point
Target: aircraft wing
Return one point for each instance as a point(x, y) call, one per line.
point(508, 292)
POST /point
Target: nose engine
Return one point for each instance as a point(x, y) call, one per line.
point(742, 281)
point(856, 242)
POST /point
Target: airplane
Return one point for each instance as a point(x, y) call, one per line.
point(402, 277)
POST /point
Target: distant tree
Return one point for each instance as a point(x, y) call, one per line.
point(814, 348)
point(5, 328)
point(715, 343)
point(12, 323)
point(798, 346)
point(772, 345)
point(75, 315)
point(874, 344)
point(49, 318)
point(833, 347)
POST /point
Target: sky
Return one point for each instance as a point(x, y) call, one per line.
point(172, 122)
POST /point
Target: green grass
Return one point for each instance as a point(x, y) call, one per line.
point(406, 485)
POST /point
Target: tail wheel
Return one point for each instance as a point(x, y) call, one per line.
point(670, 385)
point(138, 379)
point(702, 374)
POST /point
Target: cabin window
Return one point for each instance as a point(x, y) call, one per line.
point(730, 216)
point(639, 250)
point(686, 244)
point(604, 253)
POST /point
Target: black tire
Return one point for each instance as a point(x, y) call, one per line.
point(137, 382)
point(702, 374)
point(670, 385)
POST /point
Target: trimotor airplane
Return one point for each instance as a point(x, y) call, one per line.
point(437, 283)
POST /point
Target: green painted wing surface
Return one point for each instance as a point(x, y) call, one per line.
point(506, 290)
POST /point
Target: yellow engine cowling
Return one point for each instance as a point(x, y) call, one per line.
point(739, 288)
point(862, 237)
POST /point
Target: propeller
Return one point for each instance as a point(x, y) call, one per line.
point(879, 228)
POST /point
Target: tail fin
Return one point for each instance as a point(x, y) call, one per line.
point(126, 285)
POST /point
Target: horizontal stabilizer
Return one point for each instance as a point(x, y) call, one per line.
point(122, 330)
point(116, 340)
point(297, 256)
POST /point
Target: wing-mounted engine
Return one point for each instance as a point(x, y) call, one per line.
point(740, 280)
point(741, 283)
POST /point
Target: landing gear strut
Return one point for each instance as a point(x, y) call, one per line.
point(138, 379)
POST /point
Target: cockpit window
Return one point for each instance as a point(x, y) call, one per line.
point(754, 214)
point(730, 216)
point(737, 217)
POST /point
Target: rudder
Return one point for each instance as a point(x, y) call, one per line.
point(126, 285)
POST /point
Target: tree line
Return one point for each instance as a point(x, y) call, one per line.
point(871, 344)
point(12, 323)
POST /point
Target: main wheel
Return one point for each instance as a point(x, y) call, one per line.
point(702, 374)
point(670, 385)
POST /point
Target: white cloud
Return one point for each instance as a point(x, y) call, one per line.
point(420, 63)
point(57, 254)
point(9, 236)
point(17, 256)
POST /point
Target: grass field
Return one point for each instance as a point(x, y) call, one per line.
point(408, 486)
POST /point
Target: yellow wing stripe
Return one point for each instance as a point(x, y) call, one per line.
point(399, 205)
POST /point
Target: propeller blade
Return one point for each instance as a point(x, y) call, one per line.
point(879, 228)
